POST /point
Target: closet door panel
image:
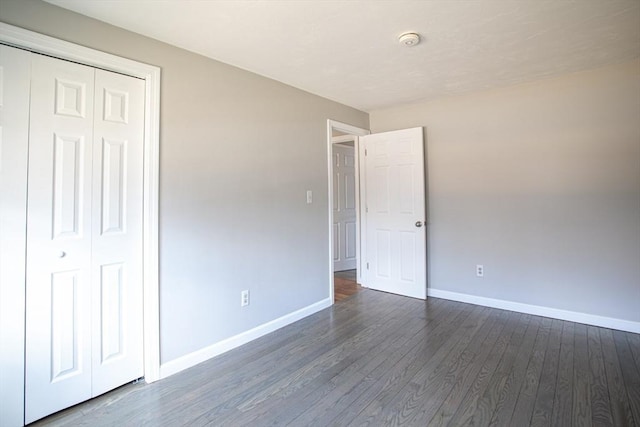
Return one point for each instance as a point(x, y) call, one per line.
point(15, 67)
point(59, 227)
point(117, 230)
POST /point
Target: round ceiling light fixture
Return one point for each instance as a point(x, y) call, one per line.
point(409, 39)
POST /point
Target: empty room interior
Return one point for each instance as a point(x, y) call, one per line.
point(321, 212)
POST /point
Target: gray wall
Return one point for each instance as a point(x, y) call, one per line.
point(238, 152)
point(540, 183)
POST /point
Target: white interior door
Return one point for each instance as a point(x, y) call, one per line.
point(394, 200)
point(344, 208)
point(84, 233)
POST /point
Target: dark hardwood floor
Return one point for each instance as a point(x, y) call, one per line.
point(378, 359)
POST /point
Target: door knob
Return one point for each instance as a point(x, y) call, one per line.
point(62, 254)
point(418, 224)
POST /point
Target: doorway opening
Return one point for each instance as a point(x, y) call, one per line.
point(344, 209)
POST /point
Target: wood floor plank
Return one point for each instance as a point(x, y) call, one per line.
point(543, 405)
point(581, 407)
point(634, 346)
point(630, 373)
point(600, 404)
point(620, 409)
point(563, 397)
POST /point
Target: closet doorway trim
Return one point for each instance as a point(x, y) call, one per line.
point(39, 43)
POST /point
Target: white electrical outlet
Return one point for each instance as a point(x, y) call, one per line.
point(244, 298)
point(479, 270)
point(309, 197)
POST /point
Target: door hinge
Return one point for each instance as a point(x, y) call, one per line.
point(365, 151)
point(367, 266)
point(366, 209)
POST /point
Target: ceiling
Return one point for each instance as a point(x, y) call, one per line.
point(347, 50)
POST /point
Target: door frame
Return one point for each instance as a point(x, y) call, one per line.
point(40, 43)
point(356, 132)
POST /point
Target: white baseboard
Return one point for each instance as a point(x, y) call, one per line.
point(199, 356)
point(573, 316)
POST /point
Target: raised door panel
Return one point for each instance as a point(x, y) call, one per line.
point(337, 190)
point(114, 186)
point(405, 200)
point(70, 98)
point(350, 240)
point(58, 275)
point(337, 255)
point(69, 182)
point(348, 181)
point(66, 329)
point(111, 312)
point(380, 200)
point(408, 250)
point(382, 261)
point(117, 230)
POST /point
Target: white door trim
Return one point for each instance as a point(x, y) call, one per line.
point(356, 131)
point(342, 139)
point(35, 42)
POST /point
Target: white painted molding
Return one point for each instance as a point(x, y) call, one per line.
point(554, 313)
point(353, 134)
point(40, 43)
point(347, 128)
point(199, 356)
point(343, 138)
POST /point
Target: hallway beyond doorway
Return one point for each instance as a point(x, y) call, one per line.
point(345, 284)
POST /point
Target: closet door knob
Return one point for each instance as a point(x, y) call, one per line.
point(418, 224)
point(62, 254)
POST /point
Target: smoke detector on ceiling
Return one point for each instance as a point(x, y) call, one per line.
point(409, 39)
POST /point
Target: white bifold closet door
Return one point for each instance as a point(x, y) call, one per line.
point(84, 327)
